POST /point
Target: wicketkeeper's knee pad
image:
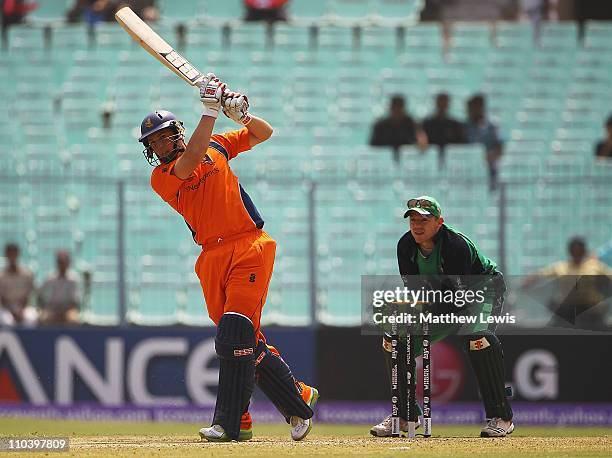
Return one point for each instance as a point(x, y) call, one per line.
point(486, 355)
point(235, 346)
point(275, 379)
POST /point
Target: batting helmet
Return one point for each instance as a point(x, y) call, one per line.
point(154, 122)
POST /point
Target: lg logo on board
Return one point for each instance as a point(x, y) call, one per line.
point(536, 375)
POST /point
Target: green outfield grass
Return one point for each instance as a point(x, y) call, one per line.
point(122, 439)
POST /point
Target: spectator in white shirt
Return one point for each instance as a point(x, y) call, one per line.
point(16, 289)
point(59, 296)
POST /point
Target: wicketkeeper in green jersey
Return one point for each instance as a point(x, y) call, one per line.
point(432, 249)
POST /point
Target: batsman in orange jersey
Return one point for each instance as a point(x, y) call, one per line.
point(237, 258)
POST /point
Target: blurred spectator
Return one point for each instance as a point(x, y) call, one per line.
point(397, 128)
point(440, 128)
point(582, 284)
point(13, 12)
point(16, 287)
point(92, 11)
point(59, 296)
point(603, 150)
point(479, 129)
point(265, 10)
point(534, 11)
point(584, 10)
point(146, 9)
point(432, 10)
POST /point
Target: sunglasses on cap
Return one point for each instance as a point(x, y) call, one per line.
point(420, 203)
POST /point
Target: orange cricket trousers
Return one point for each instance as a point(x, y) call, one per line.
point(235, 274)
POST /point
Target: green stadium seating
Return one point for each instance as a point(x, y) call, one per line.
point(292, 37)
point(247, 36)
point(550, 100)
point(70, 37)
point(204, 37)
point(308, 12)
point(396, 12)
point(183, 11)
point(23, 39)
point(379, 39)
point(470, 35)
point(226, 11)
point(513, 35)
point(335, 38)
point(597, 34)
point(110, 35)
point(559, 35)
point(349, 11)
point(50, 11)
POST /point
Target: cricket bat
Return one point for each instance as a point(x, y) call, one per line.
point(155, 45)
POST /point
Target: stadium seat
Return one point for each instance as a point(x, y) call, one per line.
point(596, 35)
point(71, 37)
point(292, 37)
point(102, 306)
point(470, 35)
point(513, 35)
point(49, 11)
point(311, 12)
point(396, 12)
point(465, 160)
point(191, 306)
point(349, 11)
point(23, 39)
point(229, 11)
point(379, 39)
point(336, 38)
point(182, 11)
point(110, 35)
point(198, 38)
point(428, 35)
point(559, 35)
point(154, 304)
point(247, 36)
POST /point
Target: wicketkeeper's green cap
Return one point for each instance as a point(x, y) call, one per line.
point(425, 205)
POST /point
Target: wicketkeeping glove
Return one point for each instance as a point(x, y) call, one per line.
point(211, 95)
point(236, 107)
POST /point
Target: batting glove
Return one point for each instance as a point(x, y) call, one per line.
point(206, 79)
point(211, 95)
point(236, 107)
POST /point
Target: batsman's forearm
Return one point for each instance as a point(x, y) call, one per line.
point(196, 148)
point(259, 129)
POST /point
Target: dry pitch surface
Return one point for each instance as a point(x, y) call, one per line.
point(94, 439)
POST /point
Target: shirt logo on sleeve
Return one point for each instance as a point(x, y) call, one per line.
point(208, 160)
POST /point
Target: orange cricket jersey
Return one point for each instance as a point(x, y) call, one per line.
point(211, 200)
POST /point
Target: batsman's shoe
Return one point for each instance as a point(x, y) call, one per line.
point(216, 433)
point(299, 426)
point(383, 429)
point(496, 427)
